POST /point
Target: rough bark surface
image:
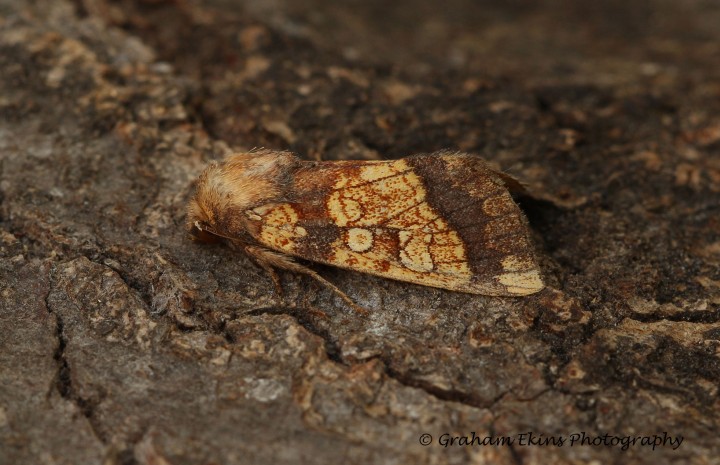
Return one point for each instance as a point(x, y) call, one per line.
point(123, 342)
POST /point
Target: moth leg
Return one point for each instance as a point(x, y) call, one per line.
point(269, 260)
point(268, 269)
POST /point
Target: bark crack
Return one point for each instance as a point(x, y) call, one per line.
point(64, 378)
point(333, 352)
point(445, 395)
point(332, 349)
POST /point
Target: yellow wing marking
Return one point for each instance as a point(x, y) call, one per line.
point(415, 256)
point(279, 228)
point(381, 191)
point(390, 196)
point(359, 239)
point(521, 282)
point(370, 171)
point(378, 263)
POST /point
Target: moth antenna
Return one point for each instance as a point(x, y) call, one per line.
point(268, 260)
point(200, 227)
point(333, 288)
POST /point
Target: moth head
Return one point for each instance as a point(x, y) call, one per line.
point(200, 218)
point(227, 190)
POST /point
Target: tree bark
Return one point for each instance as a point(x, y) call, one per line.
point(122, 341)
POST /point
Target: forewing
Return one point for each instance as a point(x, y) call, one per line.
point(438, 220)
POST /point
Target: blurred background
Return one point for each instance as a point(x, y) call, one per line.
point(593, 41)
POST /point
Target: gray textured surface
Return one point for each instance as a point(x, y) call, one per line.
point(123, 342)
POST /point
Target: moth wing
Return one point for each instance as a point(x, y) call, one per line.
point(441, 221)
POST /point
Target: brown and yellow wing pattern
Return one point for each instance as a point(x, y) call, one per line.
point(438, 220)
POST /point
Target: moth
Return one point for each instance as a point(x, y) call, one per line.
point(444, 220)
